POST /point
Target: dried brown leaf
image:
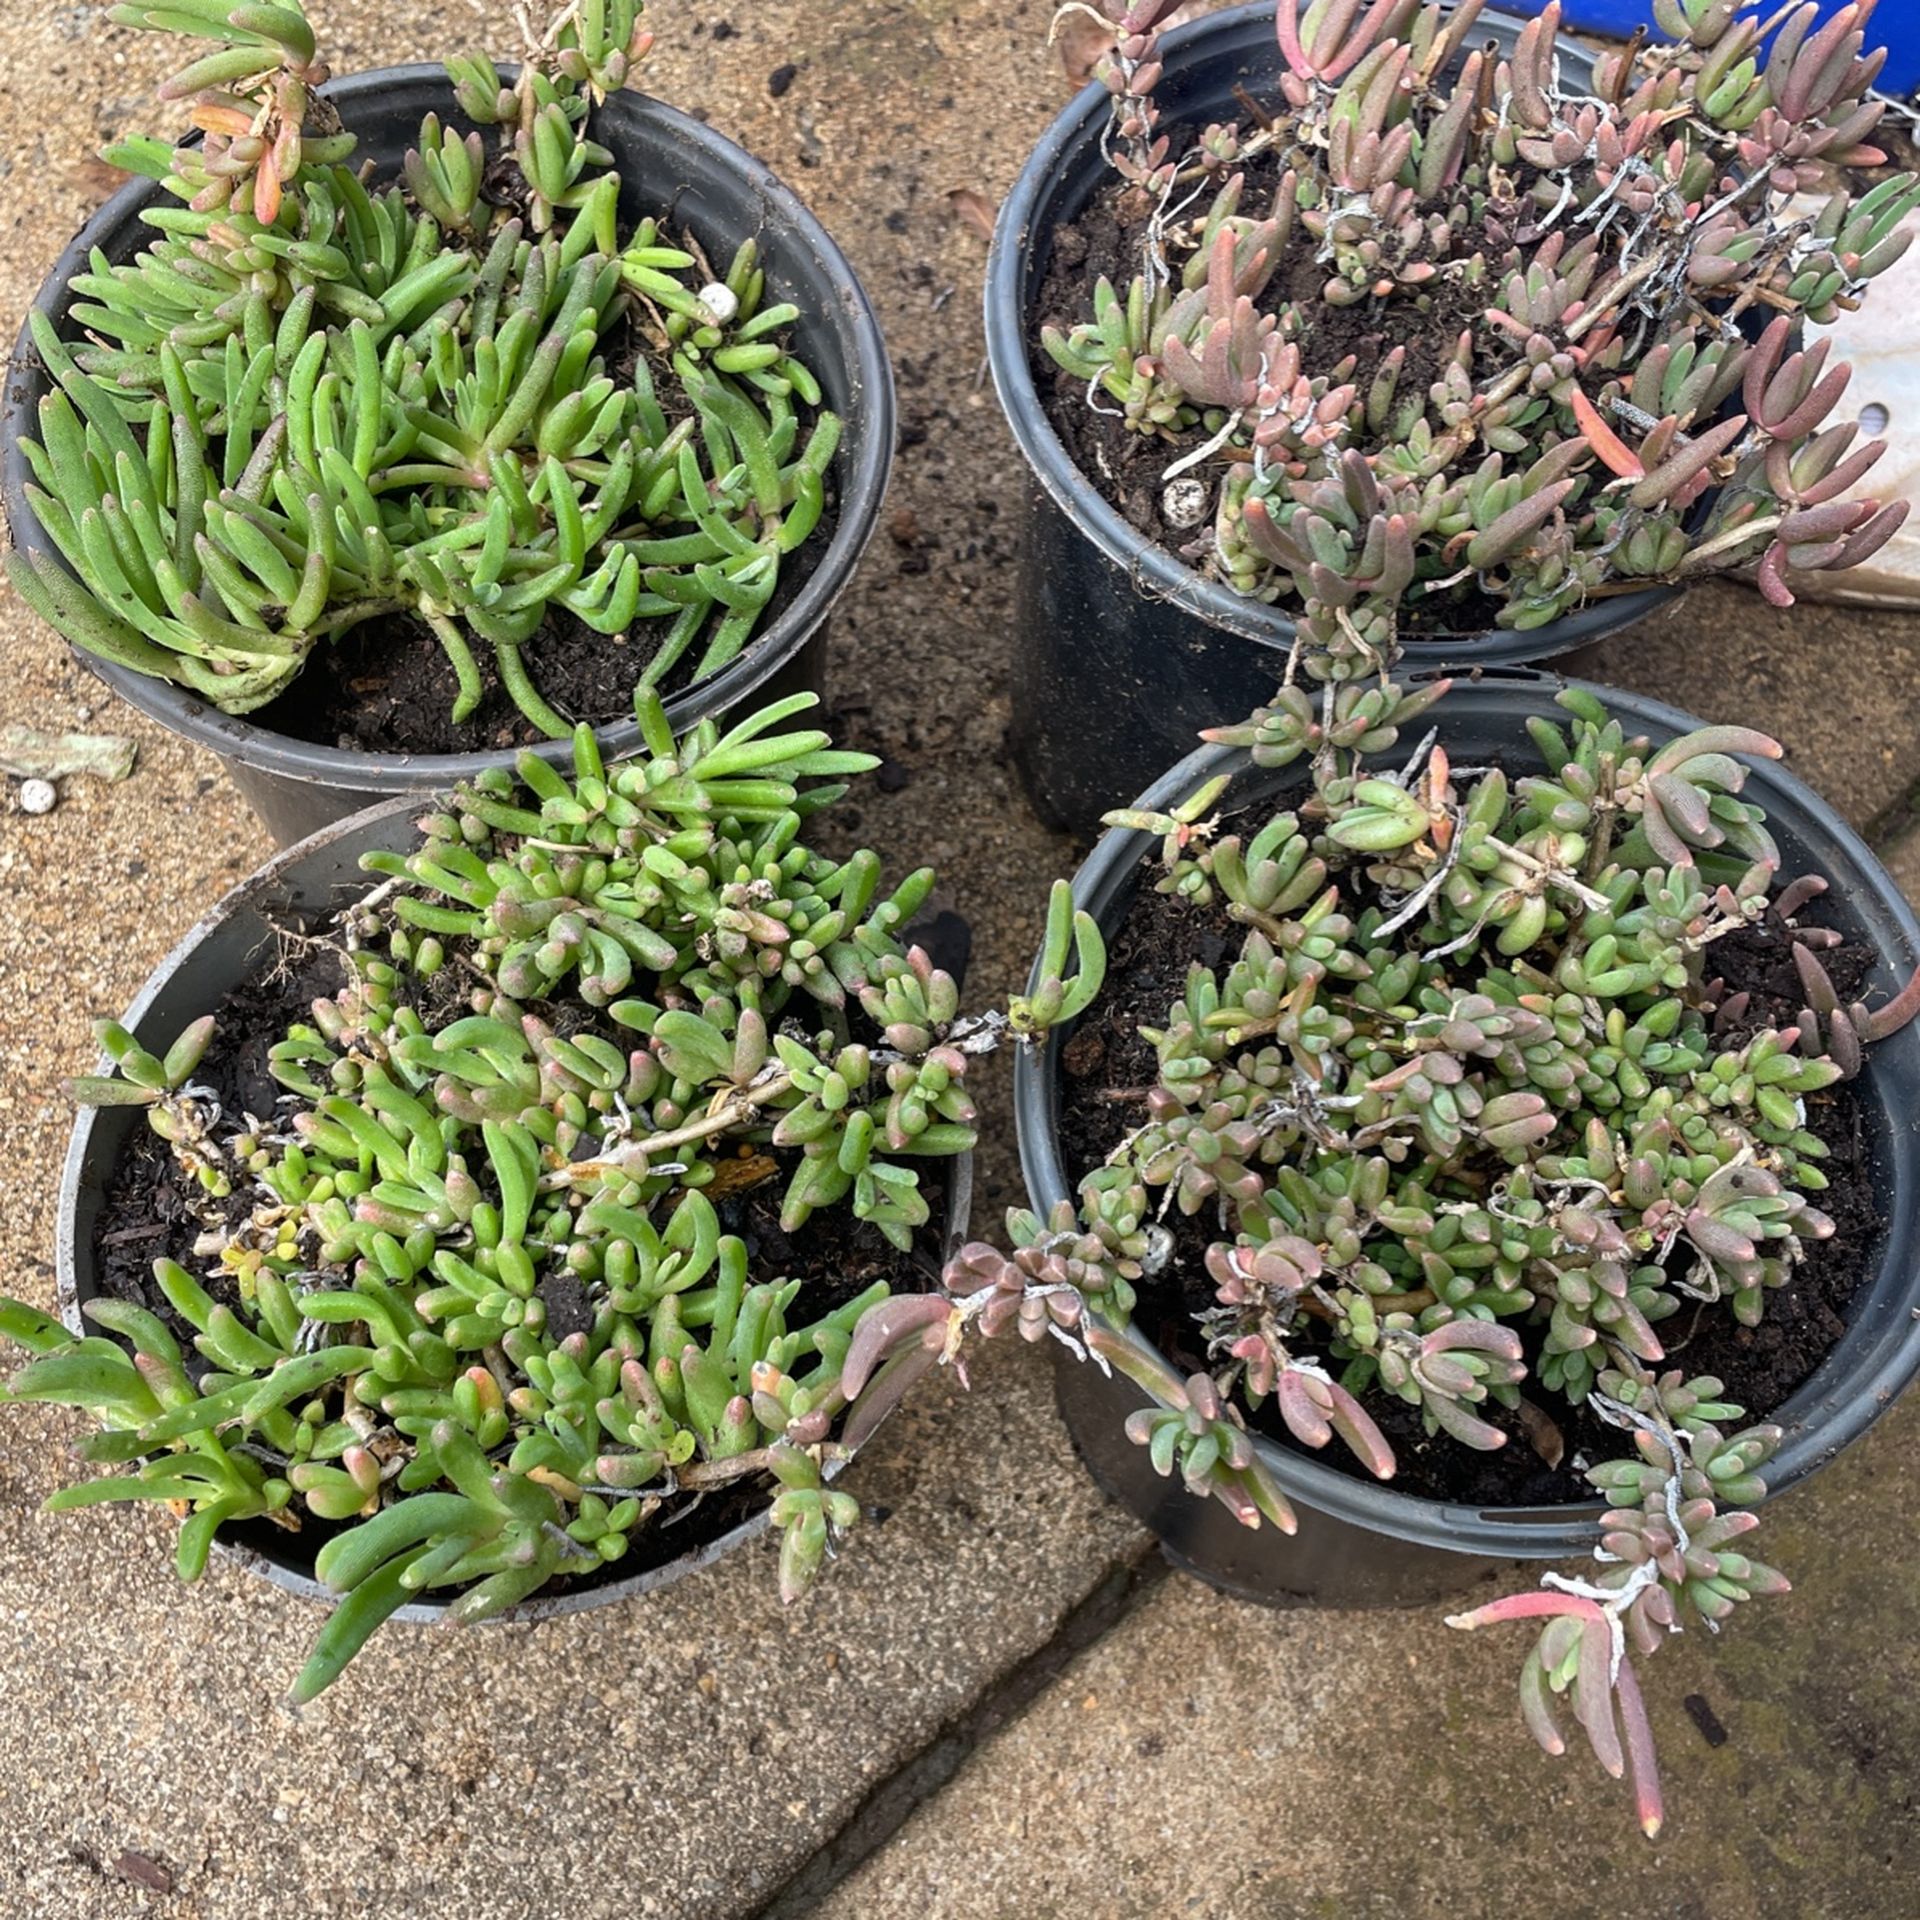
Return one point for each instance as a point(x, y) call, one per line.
point(95, 181)
point(143, 1872)
point(1542, 1431)
point(973, 210)
point(1083, 42)
point(1083, 39)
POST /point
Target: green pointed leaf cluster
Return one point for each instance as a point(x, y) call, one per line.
point(468, 396)
point(1467, 1058)
point(490, 1310)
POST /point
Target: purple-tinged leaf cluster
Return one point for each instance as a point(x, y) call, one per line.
point(1573, 365)
point(1468, 1119)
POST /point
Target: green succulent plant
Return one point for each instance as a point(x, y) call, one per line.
point(487, 1313)
point(1593, 416)
point(469, 395)
point(1469, 1117)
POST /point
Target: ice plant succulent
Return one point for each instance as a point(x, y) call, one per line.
point(1443, 325)
point(472, 1302)
point(1470, 1116)
point(471, 395)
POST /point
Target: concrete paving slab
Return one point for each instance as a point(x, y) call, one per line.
point(1901, 858)
point(679, 1756)
point(1219, 1762)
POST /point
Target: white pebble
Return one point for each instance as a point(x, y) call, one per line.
point(38, 796)
point(720, 301)
point(1185, 502)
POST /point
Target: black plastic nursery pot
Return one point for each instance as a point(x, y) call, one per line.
point(1122, 653)
point(1361, 1543)
point(671, 167)
point(302, 884)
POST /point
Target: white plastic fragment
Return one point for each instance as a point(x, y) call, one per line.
point(1882, 340)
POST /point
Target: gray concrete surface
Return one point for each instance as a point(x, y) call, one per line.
point(682, 1756)
point(1213, 1759)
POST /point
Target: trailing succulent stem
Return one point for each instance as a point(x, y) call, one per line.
point(1072, 935)
point(1467, 1120)
point(474, 1301)
point(1578, 368)
point(472, 395)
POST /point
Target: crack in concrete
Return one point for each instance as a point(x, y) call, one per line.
point(1125, 1586)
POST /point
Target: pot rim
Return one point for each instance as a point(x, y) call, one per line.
point(1155, 572)
point(867, 450)
point(68, 1254)
point(1819, 1423)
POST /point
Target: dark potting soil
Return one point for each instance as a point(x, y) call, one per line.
point(1107, 1070)
point(387, 686)
point(1127, 466)
point(151, 1211)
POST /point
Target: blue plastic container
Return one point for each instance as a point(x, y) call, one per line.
point(1896, 27)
